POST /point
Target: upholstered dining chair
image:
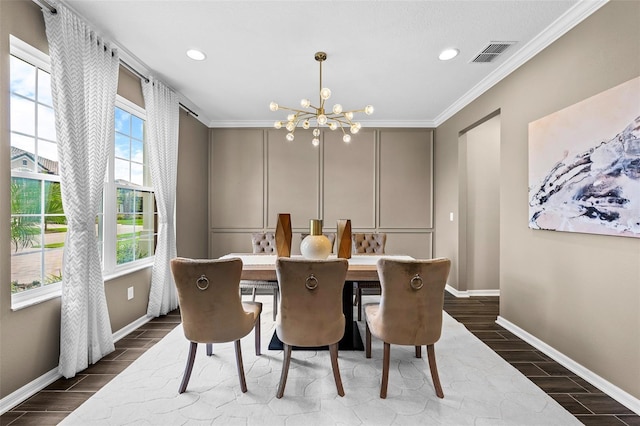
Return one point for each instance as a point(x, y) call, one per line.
point(409, 312)
point(362, 243)
point(212, 310)
point(310, 309)
point(263, 242)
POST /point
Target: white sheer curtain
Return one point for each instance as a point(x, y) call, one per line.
point(162, 107)
point(84, 79)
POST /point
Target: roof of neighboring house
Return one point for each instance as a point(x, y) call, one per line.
point(45, 164)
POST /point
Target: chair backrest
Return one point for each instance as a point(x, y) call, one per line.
point(310, 301)
point(331, 236)
point(368, 243)
point(263, 242)
point(412, 300)
point(209, 298)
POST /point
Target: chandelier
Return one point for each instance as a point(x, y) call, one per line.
point(316, 116)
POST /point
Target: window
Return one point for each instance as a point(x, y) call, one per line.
point(38, 224)
point(127, 225)
point(134, 209)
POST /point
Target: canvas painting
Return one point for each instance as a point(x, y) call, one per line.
point(584, 165)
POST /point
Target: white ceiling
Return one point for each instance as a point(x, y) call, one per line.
point(383, 53)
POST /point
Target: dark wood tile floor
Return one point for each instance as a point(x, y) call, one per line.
point(587, 403)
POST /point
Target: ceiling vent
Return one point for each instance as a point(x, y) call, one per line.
point(492, 51)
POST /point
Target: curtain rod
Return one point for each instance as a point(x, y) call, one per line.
point(52, 9)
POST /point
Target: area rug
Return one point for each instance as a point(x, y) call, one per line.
point(480, 388)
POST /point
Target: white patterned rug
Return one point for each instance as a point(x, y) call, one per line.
point(480, 388)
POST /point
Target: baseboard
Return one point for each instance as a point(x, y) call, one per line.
point(131, 327)
point(35, 386)
point(605, 386)
point(28, 390)
point(471, 293)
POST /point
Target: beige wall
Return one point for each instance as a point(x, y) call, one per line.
point(29, 338)
point(578, 293)
point(382, 181)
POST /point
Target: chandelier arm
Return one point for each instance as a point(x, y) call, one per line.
point(293, 109)
point(339, 119)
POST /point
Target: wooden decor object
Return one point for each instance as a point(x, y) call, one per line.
point(344, 238)
point(283, 235)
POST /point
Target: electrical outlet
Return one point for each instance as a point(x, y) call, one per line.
point(130, 293)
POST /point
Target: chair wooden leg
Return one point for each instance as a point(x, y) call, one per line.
point(256, 332)
point(431, 355)
point(418, 351)
point(243, 383)
point(193, 347)
point(359, 303)
point(275, 302)
point(334, 365)
point(385, 370)
point(367, 338)
point(285, 370)
point(209, 349)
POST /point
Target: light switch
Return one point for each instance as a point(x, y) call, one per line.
point(451, 216)
point(130, 293)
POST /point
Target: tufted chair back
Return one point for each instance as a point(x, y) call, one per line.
point(264, 242)
point(368, 243)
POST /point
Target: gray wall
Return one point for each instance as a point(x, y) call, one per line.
point(30, 337)
point(578, 293)
point(382, 181)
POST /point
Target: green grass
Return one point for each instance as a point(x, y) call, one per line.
point(54, 245)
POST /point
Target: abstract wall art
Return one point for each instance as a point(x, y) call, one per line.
point(584, 165)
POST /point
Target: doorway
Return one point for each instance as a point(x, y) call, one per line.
point(480, 202)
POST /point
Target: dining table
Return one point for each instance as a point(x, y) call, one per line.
point(362, 268)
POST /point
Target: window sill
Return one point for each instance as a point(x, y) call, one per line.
point(56, 290)
point(34, 300)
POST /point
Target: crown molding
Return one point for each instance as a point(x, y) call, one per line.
point(214, 124)
point(554, 31)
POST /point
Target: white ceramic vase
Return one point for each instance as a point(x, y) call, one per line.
point(315, 246)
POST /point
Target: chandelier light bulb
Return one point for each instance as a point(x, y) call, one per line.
point(273, 106)
point(316, 132)
point(337, 109)
point(291, 117)
point(290, 137)
point(322, 119)
point(333, 125)
point(325, 93)
point(354, 129)
point(348, 115)
point(290, 126)
point(368, 109)
point(306, 124)
point(346, 138)
point(277, 124)
point(315, 141)
point(305, 103)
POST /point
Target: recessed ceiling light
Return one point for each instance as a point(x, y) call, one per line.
point(196, 55)
point(447, 54)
